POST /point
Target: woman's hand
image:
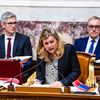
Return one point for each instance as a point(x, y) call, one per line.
point(36, 81)
point(57, 84)
point(24, 61)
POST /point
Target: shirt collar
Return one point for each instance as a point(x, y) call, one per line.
point(96, 39)
point(12, 36)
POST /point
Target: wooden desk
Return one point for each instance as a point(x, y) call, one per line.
point(45, 96)
point(97, 70)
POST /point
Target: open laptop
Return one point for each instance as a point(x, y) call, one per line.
point(10, 69)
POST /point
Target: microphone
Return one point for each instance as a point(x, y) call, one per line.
point(11, 86)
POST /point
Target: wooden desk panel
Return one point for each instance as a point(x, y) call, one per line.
point(45, 96)
point(97, 70)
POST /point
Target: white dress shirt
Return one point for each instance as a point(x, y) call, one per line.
point(6, 43)
point(89, 44)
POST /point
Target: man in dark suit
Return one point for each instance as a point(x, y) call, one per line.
point(84, 44)
point(20, 44)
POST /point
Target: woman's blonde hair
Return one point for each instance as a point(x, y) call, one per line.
point(42, 53)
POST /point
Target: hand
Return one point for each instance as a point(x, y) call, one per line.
point(36, 81)
point(57, 84)
point(24, 61)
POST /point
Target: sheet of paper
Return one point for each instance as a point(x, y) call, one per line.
point(40, 85)
point(5, 84)
point(21, 57)
point(74, 89)
point(97, 61)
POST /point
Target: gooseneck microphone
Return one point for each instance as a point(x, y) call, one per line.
point(11, 86)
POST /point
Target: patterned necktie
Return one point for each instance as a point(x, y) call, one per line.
point(91, 46)
point(9, 48)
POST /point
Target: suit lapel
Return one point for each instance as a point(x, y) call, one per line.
point(84, 43)
point(15, 44)
point(97, 47)
point(3, 46)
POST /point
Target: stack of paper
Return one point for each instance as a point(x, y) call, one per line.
point(6, 81)
point(21, 57)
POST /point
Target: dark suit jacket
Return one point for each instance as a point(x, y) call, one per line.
point(22, 47)
point(68, 67)
point(80, 45)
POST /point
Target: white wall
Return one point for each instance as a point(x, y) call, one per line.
point(42, 10)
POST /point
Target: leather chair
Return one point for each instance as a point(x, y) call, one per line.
point(86, 62)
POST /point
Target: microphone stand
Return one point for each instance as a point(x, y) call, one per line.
point(11, 86)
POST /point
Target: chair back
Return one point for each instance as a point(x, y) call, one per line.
point(86, 62)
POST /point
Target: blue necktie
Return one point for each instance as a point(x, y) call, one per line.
point(91, 46)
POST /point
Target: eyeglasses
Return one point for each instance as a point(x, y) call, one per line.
point(11, 23)
point(94, 26)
